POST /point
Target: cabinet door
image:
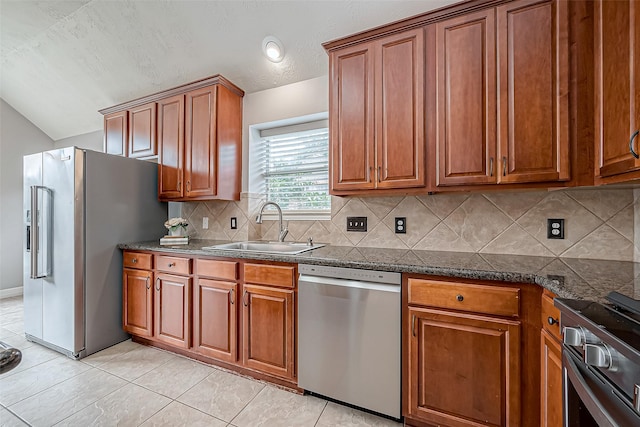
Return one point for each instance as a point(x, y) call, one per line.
point(142, 131)
point(617, 81)
point(352, 118)
point(463, 369)
point(172, 309)
point(115, 133)
point(170, 147)
point(137, 302)
point(466, 99)
point(201, 154)
point(215, 319)
point(268, 330)
point(533, 108)
point(551, 381)
point(399, 97)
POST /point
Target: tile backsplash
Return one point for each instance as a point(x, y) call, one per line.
point(599, 223)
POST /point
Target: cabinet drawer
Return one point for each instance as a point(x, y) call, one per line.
point(550, 315)
point(137, 260)
point(172, 264)
point(276, 275)
point(496, 300)
point(225, 270)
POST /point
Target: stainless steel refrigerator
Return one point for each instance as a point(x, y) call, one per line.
point(78, 205)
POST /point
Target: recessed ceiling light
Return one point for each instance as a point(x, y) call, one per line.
point(272, 49)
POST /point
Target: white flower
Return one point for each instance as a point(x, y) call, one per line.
point(174, 223)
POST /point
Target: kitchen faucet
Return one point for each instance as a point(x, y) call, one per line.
point(283, 229)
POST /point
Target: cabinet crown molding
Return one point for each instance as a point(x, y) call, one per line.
point(178, 90)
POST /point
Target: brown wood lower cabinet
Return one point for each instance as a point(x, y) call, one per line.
point(215, 327)
point(268, 330)
point(551, 381)
point(172, 309)
point(464, 369)
point(207, 309)
point(137, 294)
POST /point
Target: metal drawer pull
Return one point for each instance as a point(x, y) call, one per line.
point(244, 299)
point(158, 284)
point(172, 264)
point(133, 261)
point(504, 165)
point(148, 286)
point(459, 297)
point(551, 320)
point(631, 144)
point(232, 298)
point(413, 325)
point(491, 166)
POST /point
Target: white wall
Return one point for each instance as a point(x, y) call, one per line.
point(90, 141)
point(297, 99)
point(18, 136)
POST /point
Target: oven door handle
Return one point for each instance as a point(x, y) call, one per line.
point(574, 375)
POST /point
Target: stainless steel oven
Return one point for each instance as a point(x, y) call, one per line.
point(600, 362)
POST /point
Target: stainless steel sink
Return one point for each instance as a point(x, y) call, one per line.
point(291, 248)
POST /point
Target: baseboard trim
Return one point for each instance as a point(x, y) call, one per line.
point(10, 292)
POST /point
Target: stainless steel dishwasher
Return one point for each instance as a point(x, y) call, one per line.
point(349, 336)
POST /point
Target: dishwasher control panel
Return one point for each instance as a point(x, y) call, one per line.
point(387, 277)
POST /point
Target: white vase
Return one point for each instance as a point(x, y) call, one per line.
point(177, 232)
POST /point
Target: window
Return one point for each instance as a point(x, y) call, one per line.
point(295, 167)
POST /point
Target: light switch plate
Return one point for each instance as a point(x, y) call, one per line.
point(205, 222)
point(357, 223)
point(234, 223)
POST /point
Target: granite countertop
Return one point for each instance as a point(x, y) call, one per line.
point(566, 277)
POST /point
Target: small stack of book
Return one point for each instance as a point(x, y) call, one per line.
point(174, 240)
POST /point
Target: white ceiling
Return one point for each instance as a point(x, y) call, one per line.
point(63, 60)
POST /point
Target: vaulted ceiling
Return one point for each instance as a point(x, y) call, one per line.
point(63, 60)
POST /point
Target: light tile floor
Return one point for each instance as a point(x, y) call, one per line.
point(134, 385)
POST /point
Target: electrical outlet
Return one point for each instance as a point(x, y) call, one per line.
point(205, 222)
point(357, 223)
point(401, 224)
point(555, 228)
point(234, 223)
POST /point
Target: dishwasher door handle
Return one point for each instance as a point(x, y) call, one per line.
point(343, 283)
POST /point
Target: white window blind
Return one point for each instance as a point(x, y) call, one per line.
point(296, 169)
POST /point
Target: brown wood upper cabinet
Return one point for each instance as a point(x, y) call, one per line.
point(617, 86)
point(194, 130)
point(377, 114)
point(115, 133)
point(501, 85)
point(142, 131)
point(200, 145)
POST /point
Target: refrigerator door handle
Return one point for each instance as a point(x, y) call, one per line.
point(34, 232)
point(34, 236)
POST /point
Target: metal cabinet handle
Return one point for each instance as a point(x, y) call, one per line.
point(188, 185)
point(413, 325)
point(158, 284)
point(148, 285)
point(244, 299)
point(459, 297)
point(504, 165)
point(491, 166)
point(171, 264)
point(134, 260)
point(370, 173)
point(631, 144)
point(178, 185)
point(232, 298)
point(551, 320)
point(379, 173)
